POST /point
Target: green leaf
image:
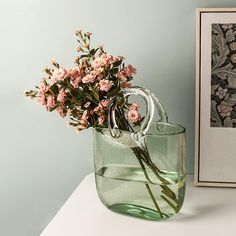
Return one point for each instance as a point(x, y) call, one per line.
point(113, 92)
point(85, 55)
point(95, 93)
point(54, 89)
point(117, 63)
point(115, 70)
point(214, 87)
point(93, 52)
point(89, 96)
point(214, 114)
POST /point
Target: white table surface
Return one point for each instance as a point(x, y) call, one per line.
point(206, 211)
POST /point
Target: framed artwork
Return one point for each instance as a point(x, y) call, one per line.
point(215, 131)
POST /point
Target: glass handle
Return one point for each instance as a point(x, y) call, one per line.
point(149, 98)
point(160, 108)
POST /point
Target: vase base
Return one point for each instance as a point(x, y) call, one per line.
point(138, 211)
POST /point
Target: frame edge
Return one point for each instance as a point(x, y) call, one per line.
point(197, 182)
point(196, 152)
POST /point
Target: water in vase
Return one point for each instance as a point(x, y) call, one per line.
point(126, 189)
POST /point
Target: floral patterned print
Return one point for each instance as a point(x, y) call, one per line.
point(223, 76)
point(224, 109)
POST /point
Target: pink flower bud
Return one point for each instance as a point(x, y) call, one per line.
point(61, 112)
point(61, 96)
point(50, 102)
point(126, 85)
point(101, 120)
point(134, 106)
point(121, 75)
point(105, 102)
point(129, 70)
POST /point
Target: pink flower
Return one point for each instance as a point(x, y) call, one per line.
point(73, 72)
point(101, 120)
point(98, 62)
point(75, 82)
point(104, 60)
point(50, 102)
point(59, 74)
point(69, 112)
point(120, 58)
point(121, 75)
point(83, 122)
point(61, 112)
point(80, 128)
point(88, 34)
point(100, 76)
point(111, 59)
point(224, 109)
point(42, 90)
point(91, 112)
point(126, 85)
point(105, 102)
point(134, 116)
point(43, 87)
point(88, 79)
point(41, 98)
point(84, 117)
point(61, 96)
point(98, 110)
point(105, 85)
point(78, 31)
point(134, 106)
point(97, 72)
point(129, 70)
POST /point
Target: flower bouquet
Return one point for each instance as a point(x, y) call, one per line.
point(139, 163)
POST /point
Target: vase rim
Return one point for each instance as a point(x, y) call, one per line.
point(174, 129)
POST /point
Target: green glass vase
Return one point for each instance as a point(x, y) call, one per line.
point(141, 173)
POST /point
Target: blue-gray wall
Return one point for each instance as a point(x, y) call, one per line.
point(41, 160)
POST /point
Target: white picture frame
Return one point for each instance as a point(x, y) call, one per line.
point(215, 130)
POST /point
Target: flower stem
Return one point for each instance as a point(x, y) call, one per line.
point(143, 157)
point(153, 199)
point(170, 203)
